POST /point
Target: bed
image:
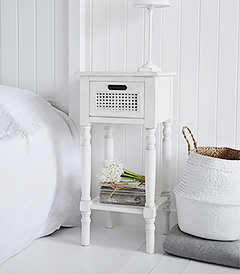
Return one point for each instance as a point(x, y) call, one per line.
point(40, 170)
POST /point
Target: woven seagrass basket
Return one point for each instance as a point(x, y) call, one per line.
point(208, 195)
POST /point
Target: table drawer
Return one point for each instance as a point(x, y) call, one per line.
point(117, 99)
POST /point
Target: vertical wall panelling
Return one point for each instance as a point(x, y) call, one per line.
point(89, 30)
point(45, 48)
point(77, 22)
point(100, 38)
point(217, 71)
point(133, 148)
point(35, 45)
point(26, 44)
point(119, 142)
point(125, 141)
point(227, 72)
point(61, 54)
point(117, 43)
point(0, 42)
point(9, 35)
point(157, 36)
point(135, 37)
point(208, 54)
point(125, 33)
point(177, 97)
point(237, 119)
point(76, 52)
point(189, 72)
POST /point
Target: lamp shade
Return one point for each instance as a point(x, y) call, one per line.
point(154, 3)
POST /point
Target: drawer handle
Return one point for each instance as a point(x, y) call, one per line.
point(117, 87)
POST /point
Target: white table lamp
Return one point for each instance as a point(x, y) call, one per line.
point(150, 5)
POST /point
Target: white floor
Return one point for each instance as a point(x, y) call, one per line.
point(118, 250)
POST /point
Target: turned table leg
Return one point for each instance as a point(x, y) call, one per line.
point(149, 212)
point(85, 204)
point(166, 171)
point(109, 154)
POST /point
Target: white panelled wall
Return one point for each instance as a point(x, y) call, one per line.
point(43, 42)
point(34, 47)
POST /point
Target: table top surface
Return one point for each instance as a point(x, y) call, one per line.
point(119, 74)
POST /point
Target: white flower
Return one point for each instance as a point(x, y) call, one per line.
point(111, 171)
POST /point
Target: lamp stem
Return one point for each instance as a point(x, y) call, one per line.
point(149, 66)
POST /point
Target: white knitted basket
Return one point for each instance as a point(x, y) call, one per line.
point(207, 220)
point(208, 195)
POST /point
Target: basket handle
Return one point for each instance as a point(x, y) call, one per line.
point(184, 134)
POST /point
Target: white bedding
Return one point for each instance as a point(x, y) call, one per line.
point(39, 170)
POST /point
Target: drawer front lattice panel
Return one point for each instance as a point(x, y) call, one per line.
point(117, 100)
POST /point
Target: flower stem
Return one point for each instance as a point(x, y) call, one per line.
point(131, 175)
point(131, 178)
point(130, 172)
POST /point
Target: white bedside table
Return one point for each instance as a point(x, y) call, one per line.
point(127, 98)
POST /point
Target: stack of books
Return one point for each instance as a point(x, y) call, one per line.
point(126, 192)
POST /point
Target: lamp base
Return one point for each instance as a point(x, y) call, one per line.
point(149, 66)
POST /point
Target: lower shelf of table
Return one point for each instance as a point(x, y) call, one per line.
point(160, 200)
